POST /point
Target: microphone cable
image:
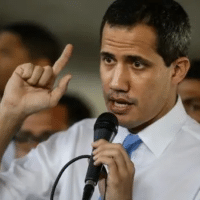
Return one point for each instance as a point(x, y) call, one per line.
point(62, 170)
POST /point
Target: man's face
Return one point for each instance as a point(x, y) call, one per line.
point(39, 127)
point(136, 83)
point(190, 95)
point(12, 54)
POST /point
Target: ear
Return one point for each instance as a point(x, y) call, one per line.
point(180, 69)
point(42, 62)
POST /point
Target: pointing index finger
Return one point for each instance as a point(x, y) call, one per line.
point(63, 59)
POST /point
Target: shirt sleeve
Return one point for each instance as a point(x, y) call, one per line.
point(32, 176)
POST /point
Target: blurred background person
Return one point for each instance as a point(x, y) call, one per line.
point(40, 126)
point(25, 42)
point(189, 90)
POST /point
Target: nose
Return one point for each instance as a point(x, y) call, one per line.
point(120, 78)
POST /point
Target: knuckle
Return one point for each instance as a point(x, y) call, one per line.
point(99, 149)
point(26, 66)
point(101, 141)
point(29, 65)
point(111, 161)
point(48, 68)
point(119, 147)
point(116, 153)
point(49, 71)
point(39, 68)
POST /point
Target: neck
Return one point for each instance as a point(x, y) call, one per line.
point(162, 113)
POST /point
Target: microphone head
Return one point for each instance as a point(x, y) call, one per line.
point(108, 121)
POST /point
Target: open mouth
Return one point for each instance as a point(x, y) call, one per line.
point(121, 104)
point(121, 101)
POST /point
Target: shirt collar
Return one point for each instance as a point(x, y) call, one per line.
point(158, 135)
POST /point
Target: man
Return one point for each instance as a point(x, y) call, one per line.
point(40, 126)
point(24, 42)
point(189, 91)
point(143, 59)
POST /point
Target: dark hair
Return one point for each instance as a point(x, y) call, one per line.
point(39, 42)
point(194, 71)
point(76, 108)
point(171, 24)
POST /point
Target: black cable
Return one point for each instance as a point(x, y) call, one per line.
point(62, 170)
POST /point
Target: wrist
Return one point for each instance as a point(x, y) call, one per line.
point(9, 115)
point(10, 123)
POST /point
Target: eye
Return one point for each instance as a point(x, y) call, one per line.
point(137, 63)
point(108, 60)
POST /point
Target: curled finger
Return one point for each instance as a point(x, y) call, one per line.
point(36, 74)
point(46, 77)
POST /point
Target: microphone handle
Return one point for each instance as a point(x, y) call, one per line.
point(93, 171)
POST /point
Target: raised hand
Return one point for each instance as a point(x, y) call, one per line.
point(30, 88)
point(119, 183)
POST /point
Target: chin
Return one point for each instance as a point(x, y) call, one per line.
point(130, 124)
point(125, 122)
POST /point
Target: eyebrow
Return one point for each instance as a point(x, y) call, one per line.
point(107, 54)
point(127, 57)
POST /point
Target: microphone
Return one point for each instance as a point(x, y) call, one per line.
point(105, 127)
